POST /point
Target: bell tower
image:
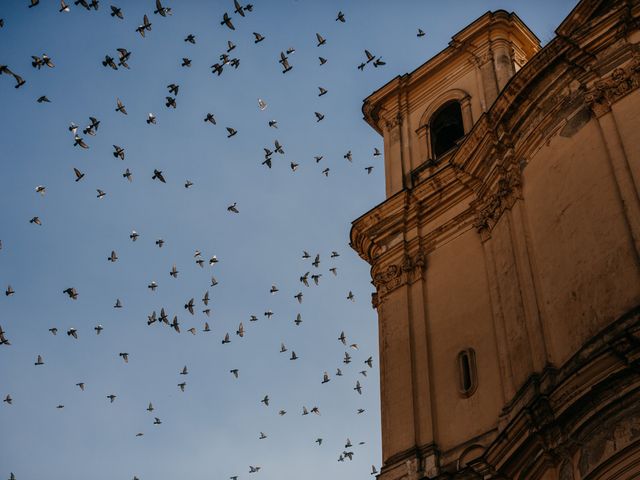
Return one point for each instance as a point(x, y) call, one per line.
point(422, 115)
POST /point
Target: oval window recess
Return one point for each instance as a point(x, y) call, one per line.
point(468, 380)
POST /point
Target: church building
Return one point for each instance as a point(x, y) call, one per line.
point(506, 256)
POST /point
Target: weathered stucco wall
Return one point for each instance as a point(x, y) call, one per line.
point(587, 266)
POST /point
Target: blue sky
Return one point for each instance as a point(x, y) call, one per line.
point(211, 430)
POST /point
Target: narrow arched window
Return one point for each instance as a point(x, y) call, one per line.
point(467, 372)
point(446, 128)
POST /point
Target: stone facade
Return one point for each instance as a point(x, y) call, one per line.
point(507, 270)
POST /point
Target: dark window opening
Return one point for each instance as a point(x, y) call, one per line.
point(446, 128)
point(467, 371)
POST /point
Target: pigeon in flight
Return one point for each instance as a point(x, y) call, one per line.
point(19, 80)
point(239, 9)
point(73, 294)
point(120, 107)
point(162, 11)
point(117, 12)
point(157, 175)
point(189, 306)
point(358, 388)
point(78, 141)
point(226, 20)
point(146, 26)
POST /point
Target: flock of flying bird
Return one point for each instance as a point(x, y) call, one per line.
point(162, 317)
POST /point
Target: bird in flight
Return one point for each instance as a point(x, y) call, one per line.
point(160, 10)
point(72, 292)
point(145, 26)
point(226, 20)
point(120, 107)
point(117, 12)
point(19, 80)
point(157, 175)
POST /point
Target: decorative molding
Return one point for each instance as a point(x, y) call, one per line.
point(607, 91)
point(390, 124)
point(395, 275)
point(506, 190)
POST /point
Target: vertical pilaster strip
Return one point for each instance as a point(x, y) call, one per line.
point(626, 187)
point(527, 288)
point(508, 388)
point(467, 117)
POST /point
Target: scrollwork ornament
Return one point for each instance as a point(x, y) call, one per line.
point(608, 90)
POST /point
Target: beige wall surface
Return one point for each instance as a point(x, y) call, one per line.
point(587, 267)
point(459, 317)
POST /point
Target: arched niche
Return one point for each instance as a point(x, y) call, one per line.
point(424, 130)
